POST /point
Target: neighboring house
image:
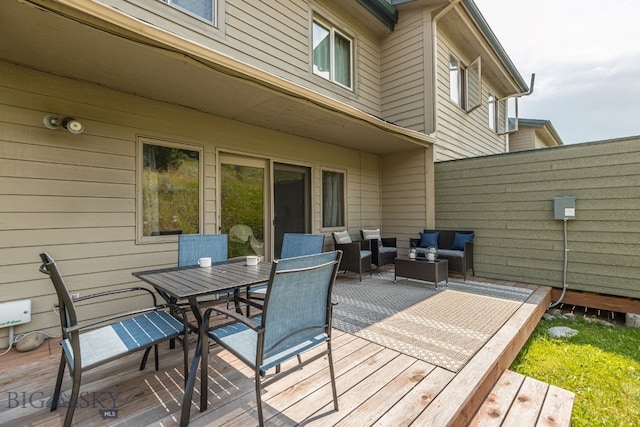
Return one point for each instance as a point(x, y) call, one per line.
point(327, 115)
point(533, 134)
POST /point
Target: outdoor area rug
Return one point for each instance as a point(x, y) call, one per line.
point(445, 327)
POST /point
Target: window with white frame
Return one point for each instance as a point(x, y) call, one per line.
point(465, 83)
point(332, 53)
point(170, 176)
point(205, 9)
point(333, 199)
point(507, 115)
point(491, 110)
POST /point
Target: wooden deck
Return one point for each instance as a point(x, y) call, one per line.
point(376, 386)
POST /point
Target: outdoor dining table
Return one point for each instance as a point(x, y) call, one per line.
point(177, 284)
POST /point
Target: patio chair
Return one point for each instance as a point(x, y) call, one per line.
point(296, 317)
point(94, 343)
point(356, 255)
point(383, 249)
point(192, 247)
point(293, 245)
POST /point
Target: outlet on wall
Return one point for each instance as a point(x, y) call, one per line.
point(75, 295)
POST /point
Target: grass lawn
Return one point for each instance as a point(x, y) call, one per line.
point(601, 365)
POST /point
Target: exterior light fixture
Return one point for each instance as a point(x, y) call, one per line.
point(69, 123)
point(52, 122)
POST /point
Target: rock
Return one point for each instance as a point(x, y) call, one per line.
point(31, 342)
point(556, 312)
point(598, 321)
point(632, 320)
point(548, 316)
point(570, 316)
point(562, 332)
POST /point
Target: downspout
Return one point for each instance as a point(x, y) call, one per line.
point(517, 95)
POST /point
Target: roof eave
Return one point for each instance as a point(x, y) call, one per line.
point(495, 44)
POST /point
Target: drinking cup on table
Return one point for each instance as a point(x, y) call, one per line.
point(204, 262)
point(252, 260)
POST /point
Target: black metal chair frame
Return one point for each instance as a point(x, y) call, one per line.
point(72, 331)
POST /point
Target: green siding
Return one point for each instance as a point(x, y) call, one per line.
point(508, 201)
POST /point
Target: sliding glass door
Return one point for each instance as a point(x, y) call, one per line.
point(291, 201)
point(246, 197)
point(243, 204)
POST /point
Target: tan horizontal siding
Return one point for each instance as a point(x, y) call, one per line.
point(402, 73)
point(74, 196)
point(461, 134)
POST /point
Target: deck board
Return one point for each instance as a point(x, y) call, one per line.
point(376, 386)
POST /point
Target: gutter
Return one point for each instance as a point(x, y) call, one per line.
point(493, 41)
point(383, 10)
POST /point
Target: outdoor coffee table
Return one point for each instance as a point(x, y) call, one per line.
point(421, 269)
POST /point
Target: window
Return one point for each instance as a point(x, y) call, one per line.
point(332, 199)
point(454, 80)
point(507, 115)
point(202, 8)
point(332, 54)
point(170, 177)
point(491, 105)
point(465, 84)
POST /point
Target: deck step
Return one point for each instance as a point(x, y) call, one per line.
point(517, 400)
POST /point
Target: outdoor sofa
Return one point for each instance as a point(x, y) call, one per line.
point(456, 246)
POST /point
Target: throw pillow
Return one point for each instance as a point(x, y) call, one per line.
point(342, 236)
point(459, 239)
point(429, 239)
point(372, 234)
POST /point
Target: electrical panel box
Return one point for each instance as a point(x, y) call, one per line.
point(564, 207)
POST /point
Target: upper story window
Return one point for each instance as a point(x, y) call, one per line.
point(507, 115)
point(491, 110)
point(465, 84)
point(170, 177)
point(205, 9)
point(332, 54)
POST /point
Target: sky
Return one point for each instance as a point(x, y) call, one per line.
point(586, 57)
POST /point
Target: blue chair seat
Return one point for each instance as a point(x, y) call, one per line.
point(110, 342)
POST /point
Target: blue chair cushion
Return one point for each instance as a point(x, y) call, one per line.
point(364, 254)
point(429, 239)
point(459, 239)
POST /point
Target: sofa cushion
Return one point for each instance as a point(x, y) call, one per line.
point(342, 236)
point(372, 234)
point(386, 250)
point(429, 239)
point(459, 240)
point(450, 253)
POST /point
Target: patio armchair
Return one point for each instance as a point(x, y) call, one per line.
point(296, 318)
point(93, 343)
point(356, 256)
point(383, 249)
point(293, 245)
